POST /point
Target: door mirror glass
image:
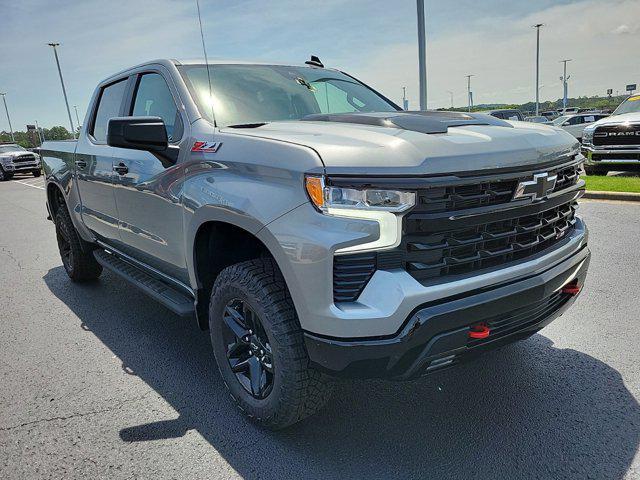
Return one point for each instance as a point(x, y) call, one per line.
point(138, 133)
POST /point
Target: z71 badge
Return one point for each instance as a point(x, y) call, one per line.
point(206, 147)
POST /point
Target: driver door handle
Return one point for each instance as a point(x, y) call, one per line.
point(121, 169)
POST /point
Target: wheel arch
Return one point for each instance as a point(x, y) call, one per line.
point(55, 199)
point(215, 242)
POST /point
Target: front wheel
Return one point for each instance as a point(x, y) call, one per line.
point(5, 175)
point(259, 346)
point(36, 173)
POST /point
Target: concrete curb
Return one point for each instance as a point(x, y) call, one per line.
point(623, 196)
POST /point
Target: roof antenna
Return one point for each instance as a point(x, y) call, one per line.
point(314, 62)
point(206, 59)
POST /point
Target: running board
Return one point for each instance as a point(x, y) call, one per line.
point(176, 301)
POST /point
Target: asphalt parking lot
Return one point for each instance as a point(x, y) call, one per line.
point(97, 381)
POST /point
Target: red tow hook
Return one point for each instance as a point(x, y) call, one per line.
point(572, 288)
point(481, 330)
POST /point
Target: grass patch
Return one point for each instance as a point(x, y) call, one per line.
point(612, 184)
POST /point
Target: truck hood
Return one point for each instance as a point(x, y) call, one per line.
point(384, 148)
point(617, 119)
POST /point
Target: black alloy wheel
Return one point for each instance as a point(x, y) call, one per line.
point(248, 349)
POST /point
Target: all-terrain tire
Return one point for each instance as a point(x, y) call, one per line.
point(298, 390)
point(79, 262)
point(36, 173)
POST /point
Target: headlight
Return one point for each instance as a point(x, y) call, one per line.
point(329, 198)
point(375, 204)
point(587, 135)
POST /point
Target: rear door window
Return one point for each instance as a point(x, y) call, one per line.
point(108, 107)
point(153, 99)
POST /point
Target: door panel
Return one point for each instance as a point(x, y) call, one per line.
point(94, 172)
point(149, 195)
point(94, 167)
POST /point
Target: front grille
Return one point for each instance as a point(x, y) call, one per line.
point(566, 177)
point(463, 250)
point(521, 318)
point(441, 199)
point(350, 275)
point(450, 231)
point(24, 158)
point(611, 135)
point(481, 194)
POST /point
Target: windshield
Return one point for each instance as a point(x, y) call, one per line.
point(630, 105)
point(560, 120)
point(250, 94)
point(11, 148)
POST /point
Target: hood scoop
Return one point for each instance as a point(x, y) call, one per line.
point(416, 121)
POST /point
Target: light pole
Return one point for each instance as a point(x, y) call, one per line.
point(64, 91)
point(405, 102)
point(422, 55)
point(75, 107)
point(469, 94)
point(537, 27)
point(565, 85)
point(40, 133)
point(451, 93)
point(4, 99)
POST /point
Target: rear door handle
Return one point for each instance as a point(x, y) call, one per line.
point(81, 163)
point(121, 169)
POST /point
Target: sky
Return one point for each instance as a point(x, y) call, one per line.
point(374, 40)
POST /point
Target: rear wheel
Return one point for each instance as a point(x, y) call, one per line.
point(79, 262)
point(259, 346)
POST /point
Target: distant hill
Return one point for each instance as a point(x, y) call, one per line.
point(594, 102)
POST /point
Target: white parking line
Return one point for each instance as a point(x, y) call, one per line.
point(39, 181)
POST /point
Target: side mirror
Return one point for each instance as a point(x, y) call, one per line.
point(138, 133)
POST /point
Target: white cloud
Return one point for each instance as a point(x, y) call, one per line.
point(621, 29)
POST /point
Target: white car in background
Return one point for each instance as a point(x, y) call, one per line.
point(538, 119)
point(575, 124)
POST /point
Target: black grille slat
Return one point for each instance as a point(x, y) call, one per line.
point(351, 273)
point(482, 246)
point(442, 199)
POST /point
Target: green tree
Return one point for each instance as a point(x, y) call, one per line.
point(57, 133)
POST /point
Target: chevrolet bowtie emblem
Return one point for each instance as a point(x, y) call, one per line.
point(541, 186)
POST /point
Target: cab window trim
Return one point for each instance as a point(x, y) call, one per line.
point(96, 105)
point(131, 93)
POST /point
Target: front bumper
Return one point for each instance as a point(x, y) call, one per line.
point(610, 156)
point(21, 166)
point(436, 334)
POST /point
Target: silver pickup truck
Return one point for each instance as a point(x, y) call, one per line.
point(313, 227)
